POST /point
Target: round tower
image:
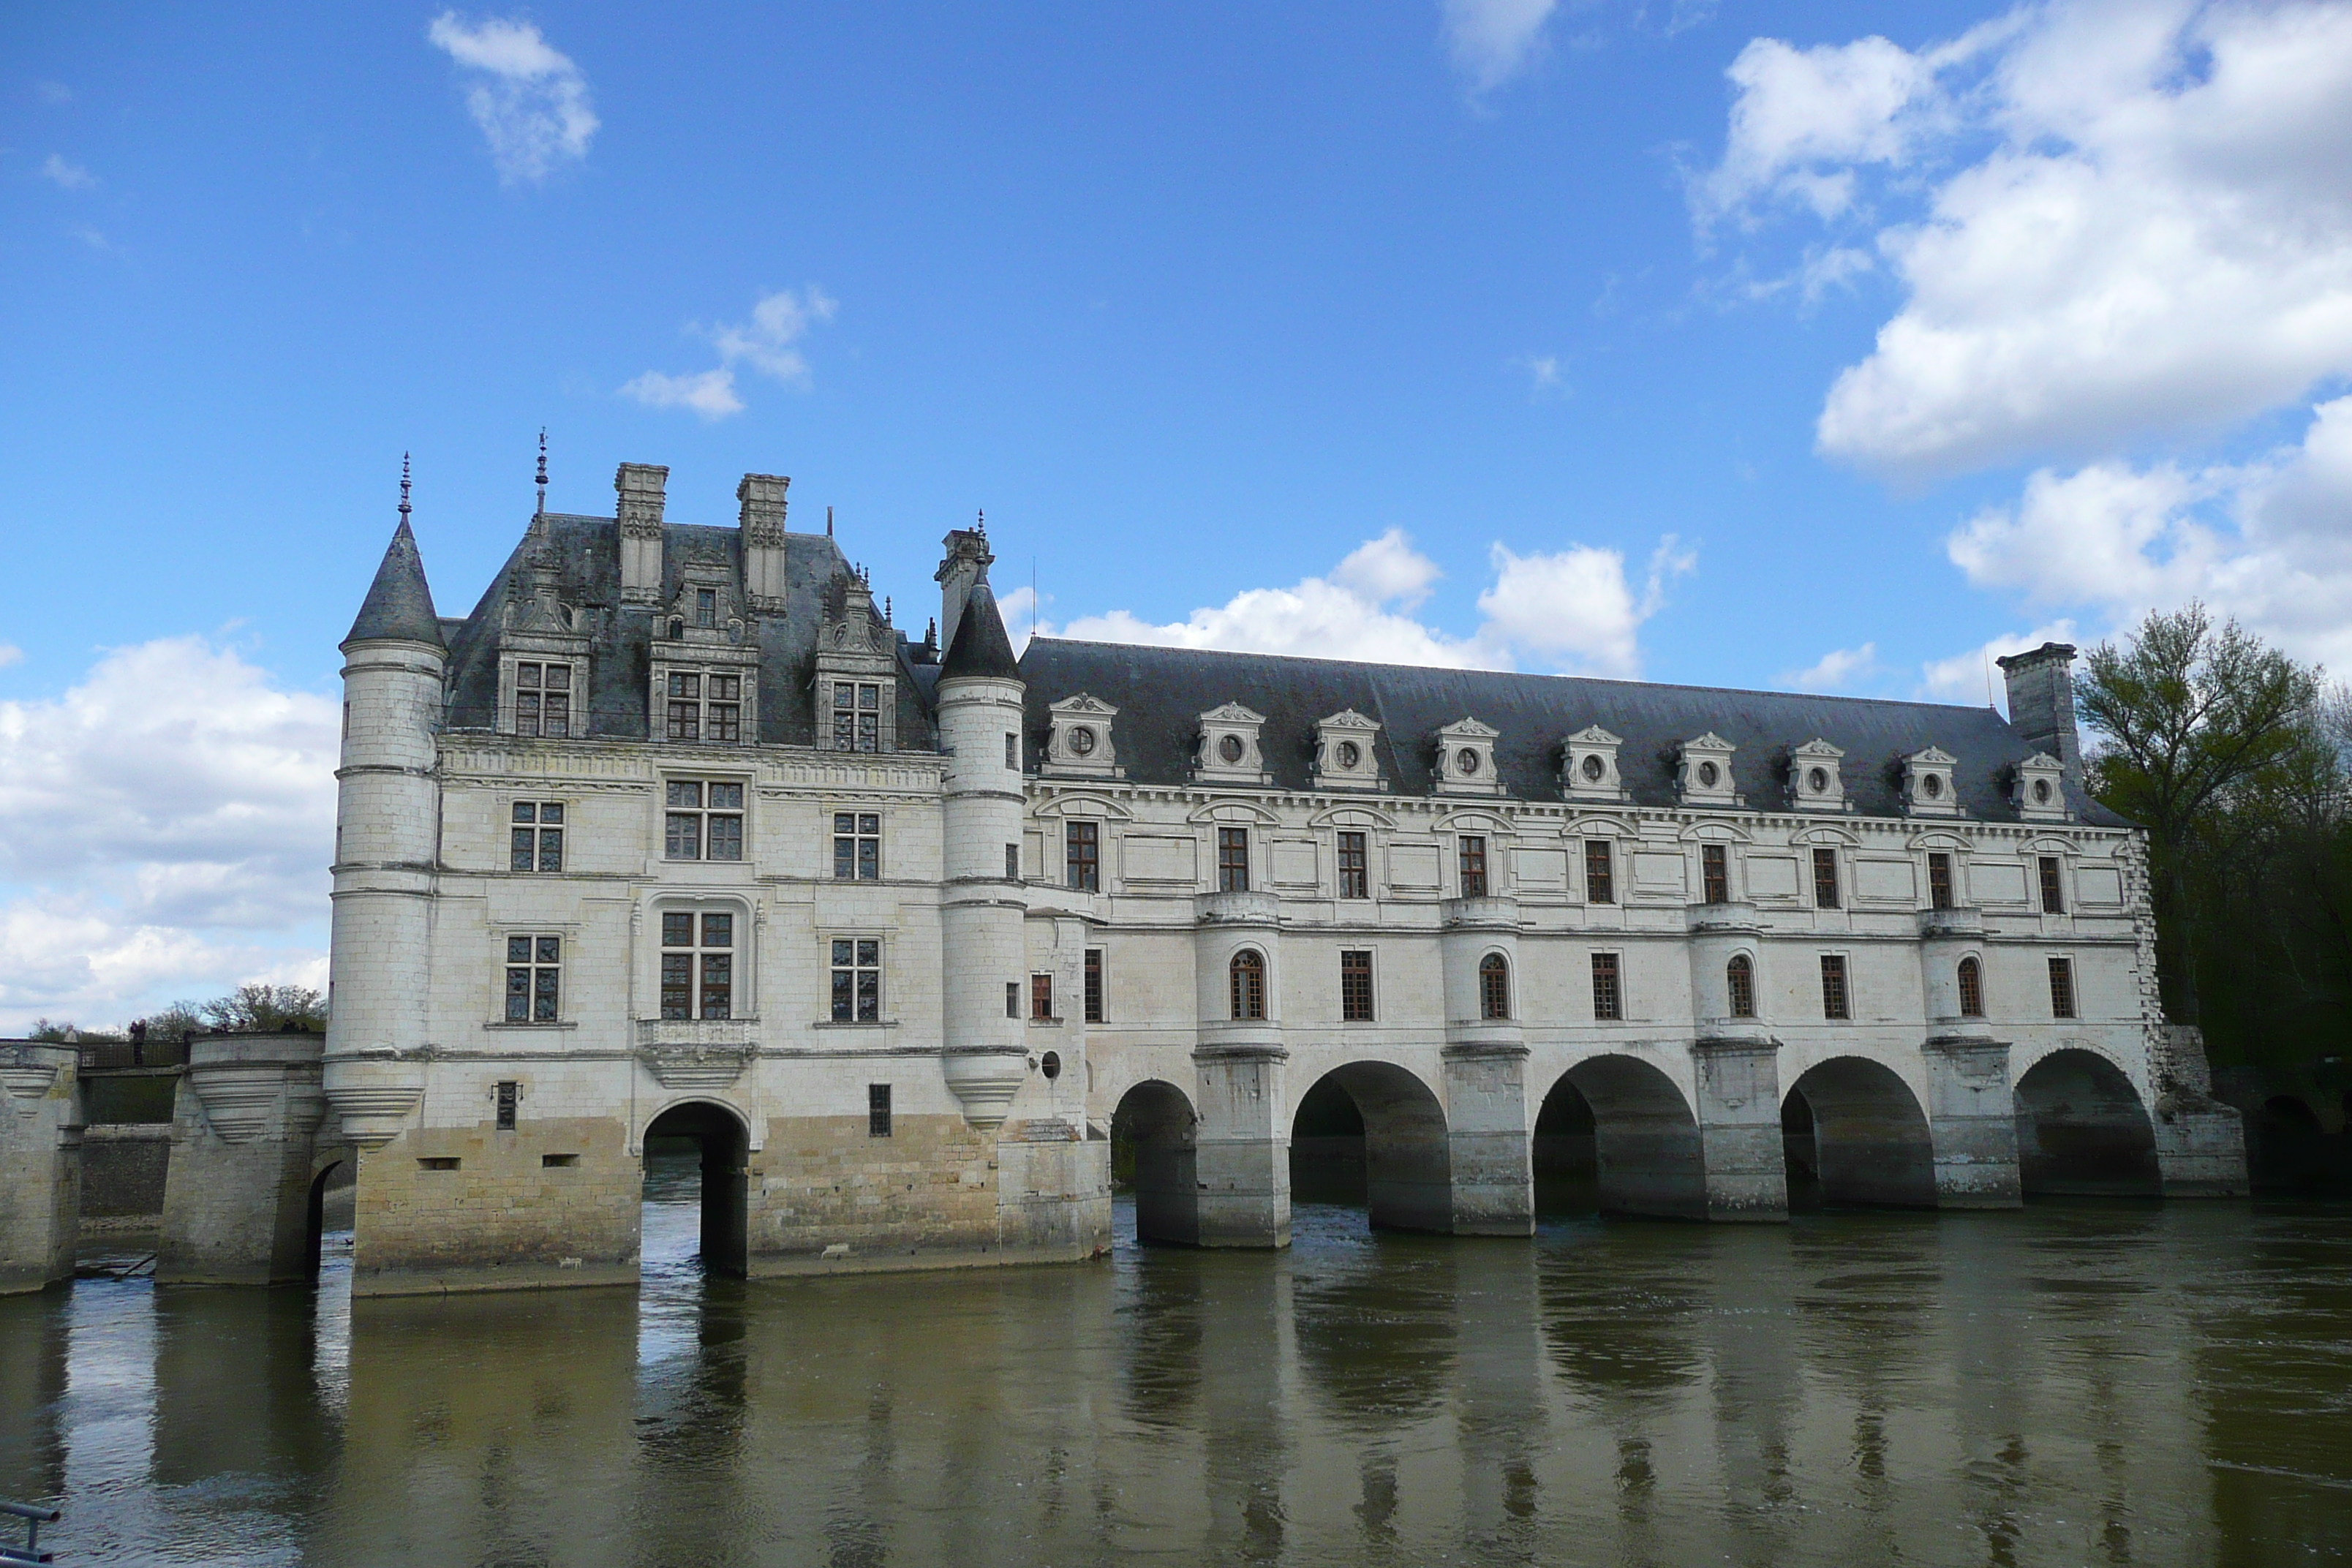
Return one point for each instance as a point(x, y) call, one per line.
point(985, 1055)
point(386, 834)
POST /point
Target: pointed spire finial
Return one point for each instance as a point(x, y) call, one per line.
point(542, 469)
point(828, 523)
point(886, 606)
point(981, 526)
point(404, 487)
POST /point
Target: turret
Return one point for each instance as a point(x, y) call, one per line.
point(982, 910)
point(386, 830)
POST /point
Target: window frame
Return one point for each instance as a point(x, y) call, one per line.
point(1740, 985)
point(1942, 884)
point(1082, 854)
point(1354, 860)
point(1968, 985)
point(539, 690)
point(2051, 875)
point(703, 811)
point(1470, 856)
point(862, 843)
point(695, 951)
point(1357, 991)
point(1232, 858)
point(1828, 890)
point(1837, 989)
point(1245, 975)
point(1600, 871)
point(1608, 987)
point(1715, 873)
point(700, 705)
point(542, 997)
point(857, 721)
point(877, 1110)
point(1097, 965)
point(1495, 997)
point(2065, 993)
point(535, 831)
point(867, 956)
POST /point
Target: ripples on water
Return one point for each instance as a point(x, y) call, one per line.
point(2070, 1385)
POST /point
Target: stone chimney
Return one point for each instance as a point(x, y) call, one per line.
point(2042, 703)
point(967, 554)
point(762, 521)
point(640, 487)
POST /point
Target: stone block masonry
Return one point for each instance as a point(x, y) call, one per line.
point(40, 1165)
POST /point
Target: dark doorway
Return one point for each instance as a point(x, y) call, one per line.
point(1566, 1164)
point(701, 1149)
point(1371, 1133)
point(2287, 1151)
point(333, 1194)
point(1800, 1150)
point(2082, 1131)
point(1853, 1130)
point(1151, 1157)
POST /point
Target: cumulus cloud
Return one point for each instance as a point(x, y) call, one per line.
point(165, 826)
point(768, 343)
point(1836, 671)
point(10, 654)
point(529, 97)
point(1491, 41)
point(1974, 675)
point(1573, 610)
point(2109, 220)
point(67, 175)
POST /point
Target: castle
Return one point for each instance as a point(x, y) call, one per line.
point(677, 834)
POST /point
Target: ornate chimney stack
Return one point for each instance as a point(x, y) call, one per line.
point(967, 557)
point(640, 487)
point(2042, 703)
point(762, 521)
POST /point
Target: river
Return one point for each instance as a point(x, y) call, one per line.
point(2075, 1383)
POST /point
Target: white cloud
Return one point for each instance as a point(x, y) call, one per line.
point(67, 175)
point(1492, 41)
point(10, 654)
point(165, 827)
point(767, 342)
point(529, 99)
point(1573, 610)
point(2115, 220)
point(711, 394)
point(1836, 671)
point(1543, 372)
point(1974, 677)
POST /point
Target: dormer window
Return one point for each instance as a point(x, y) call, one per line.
point(1078, 737)
point(856, 716)
point(1588, 765)
point(703, 706)
point(1814, 781)
point(677, 628)
point(1344, 758)
point(542, 703)
point(1465, 758)
point(1928, 783)
point(1229, 747)
point(706, 607)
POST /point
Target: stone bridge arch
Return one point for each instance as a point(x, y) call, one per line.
point(1854, 1133)
point(724, 1136)
point(1399, 1124)
point(1620, 1129)
point(1154, 1149)
point(2082, 1129)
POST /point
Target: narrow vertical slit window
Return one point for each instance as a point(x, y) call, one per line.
point(1040, 998)
point(856, 980)
point(1939, 880)
point(510, 1093)
point(1715, 873)
point(706, 607)
point(1082, 855)
point(1600, 872)
point(1473, 847)
point(1012, 752)
point(1232, 860)
point(534, 979)
point(1825, 878)
point(1355, 985)
point(877, 1110)
point(1012, 998)
point(1094, 986)
point(1355, 868)
point(1012, 862)
point(1248, 975)
point(1836, 1003)
point(1740, 981)
point(1608, 987)
point(2053, 892)
point(2062, 988)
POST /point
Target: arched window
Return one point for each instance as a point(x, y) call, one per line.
point(1971, 989)
point(1739, 978)
point(1249, 984)
point(1494, 986)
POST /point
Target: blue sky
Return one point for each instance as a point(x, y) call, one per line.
point(1749, 345)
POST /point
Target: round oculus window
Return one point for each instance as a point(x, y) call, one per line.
point(1051, 1065)
point(2041, 792)
point(1593, 768)
point(1466, 761)
point(1082, 741)
point(1708, 776)
point(1818, 781)
point(1932, 786)
point(1231, 748)
point(1350, 753)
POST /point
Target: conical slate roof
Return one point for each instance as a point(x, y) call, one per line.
point(399, 605)
point(981, 647)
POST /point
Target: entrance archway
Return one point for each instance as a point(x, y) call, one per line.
point(1853, 1132)
point(1378, 1119)
point(2082, 1131)
point(330, 1183)
point(1152, 1155)
point(1645, 1158)
point(719, 1137)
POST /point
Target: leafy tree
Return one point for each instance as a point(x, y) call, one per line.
point(258, 1006)
point(2207, 731)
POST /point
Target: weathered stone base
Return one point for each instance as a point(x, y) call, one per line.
point(40, 1166)
point(919, 1260)
point(2201, 1153)
point(521, 1274)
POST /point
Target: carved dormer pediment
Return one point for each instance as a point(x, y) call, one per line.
point(1703, 772)
point(856, 686)
point(1814, 781)
point(1930, 787)
point(1465, 759)
point(2038, 789)
point(1079, 740)
point(1346, 755)
point(1229, 750)
point(1588, 766)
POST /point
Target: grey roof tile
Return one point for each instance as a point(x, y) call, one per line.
point(399, 605)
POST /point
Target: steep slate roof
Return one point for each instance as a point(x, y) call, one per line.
point(1159, 693)
point(621, 638)
point(398, 603)
point(980, 646)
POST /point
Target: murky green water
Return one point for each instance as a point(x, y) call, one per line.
point(2066, 1385)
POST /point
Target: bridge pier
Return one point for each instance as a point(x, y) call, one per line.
point(1241, 1154)
point(236, 1202)
point(1972, 1122)
point(40, 1165)
point(1739, 1127)
point(1488, 1141)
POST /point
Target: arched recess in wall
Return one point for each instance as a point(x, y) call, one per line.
point(2082, 1130)
point(1615, 1134)
point(2287, 1149)
point(719, 1133)
point(332, 1186)
point(1853, 1134)
point(1153, 1142)
point(1376, 1119)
